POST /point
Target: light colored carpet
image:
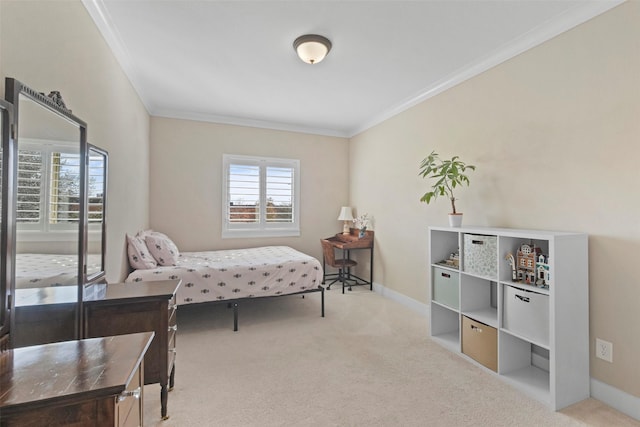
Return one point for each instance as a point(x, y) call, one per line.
point(369, 362)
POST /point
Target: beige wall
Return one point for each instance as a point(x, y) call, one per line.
point(555, 134)
point(54, 45)
point(186, 181)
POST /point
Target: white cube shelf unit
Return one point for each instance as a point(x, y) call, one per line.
point(543, 332)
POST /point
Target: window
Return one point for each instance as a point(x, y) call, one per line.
point(48, 188)
point(261, 197)
point(48, 191)
point(96, 188)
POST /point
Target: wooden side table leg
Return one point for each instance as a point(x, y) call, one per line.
point(344, 268)
point(371, 269)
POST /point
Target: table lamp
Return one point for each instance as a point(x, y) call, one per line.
point(347, 217)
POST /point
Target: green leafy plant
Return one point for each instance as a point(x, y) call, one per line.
point(448, 174)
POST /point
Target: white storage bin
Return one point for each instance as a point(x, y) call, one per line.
point(445, 287)
point(480, 255)
point(526, 314)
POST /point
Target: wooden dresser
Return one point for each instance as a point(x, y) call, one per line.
point(45, 315)
point(93, 382)
point(124, 308)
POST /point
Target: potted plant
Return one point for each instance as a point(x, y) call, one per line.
point(447, 175)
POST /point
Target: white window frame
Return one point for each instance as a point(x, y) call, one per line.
point(262, 228)
point(43, 231)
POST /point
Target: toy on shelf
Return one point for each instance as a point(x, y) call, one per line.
point(453, 261)
point(542, 270)
point(530, 266)
point(512, 263)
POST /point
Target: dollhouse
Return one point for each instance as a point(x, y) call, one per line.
point(529, 266)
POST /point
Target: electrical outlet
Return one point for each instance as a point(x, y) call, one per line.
point(604, 350)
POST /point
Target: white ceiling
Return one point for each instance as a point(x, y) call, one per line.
point(233, 61)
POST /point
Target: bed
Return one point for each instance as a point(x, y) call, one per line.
point(39, 270)
point(232, 275)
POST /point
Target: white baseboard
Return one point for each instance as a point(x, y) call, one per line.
point(617, 399)
point(414, 305)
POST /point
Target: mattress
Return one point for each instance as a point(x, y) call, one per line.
point(36, 270)
point(238, 273)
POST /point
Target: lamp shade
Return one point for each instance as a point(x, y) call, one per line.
point(312, 48)
point(345, 214)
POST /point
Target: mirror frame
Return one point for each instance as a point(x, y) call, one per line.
point(13, 90)
point(6, 193)
point(100, 274)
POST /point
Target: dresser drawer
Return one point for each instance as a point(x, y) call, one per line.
point(171, 339)
point(172, 316)
point(129, 403)
point(171, 352)
point(172, 305)
point(172, 329)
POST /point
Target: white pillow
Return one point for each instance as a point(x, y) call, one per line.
point(161, 248)
point(139, 256)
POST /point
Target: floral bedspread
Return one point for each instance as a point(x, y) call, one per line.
point(36, 270)
point(239, 273)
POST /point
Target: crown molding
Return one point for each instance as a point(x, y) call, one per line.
point(103, 21)
point(241, 121)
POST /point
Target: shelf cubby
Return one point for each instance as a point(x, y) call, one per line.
point(478, 299)
point(511, 245)
point(521, 366)
point(445, 326)
point(443, 244)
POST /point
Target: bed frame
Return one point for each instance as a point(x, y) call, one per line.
point(234, 303)
point(307, 277)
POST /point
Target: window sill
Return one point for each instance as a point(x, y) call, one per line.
point(51, 236)
point(240, 234)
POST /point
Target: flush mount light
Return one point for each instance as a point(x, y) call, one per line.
point(312, 48)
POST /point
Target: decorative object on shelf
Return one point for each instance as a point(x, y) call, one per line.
point(512, 262)
point(526, 261)
point(448, 174)
point(530, 266)
point(453, 261)
point(542, 270)
point(312, 48)
point(347, 217)
point(361, 222)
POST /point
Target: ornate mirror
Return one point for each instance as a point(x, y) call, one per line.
point(5, 137)
point(50, 217)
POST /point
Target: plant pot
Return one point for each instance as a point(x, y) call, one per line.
point(455, 219)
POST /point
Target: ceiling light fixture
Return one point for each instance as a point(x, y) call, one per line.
point(312, 48)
